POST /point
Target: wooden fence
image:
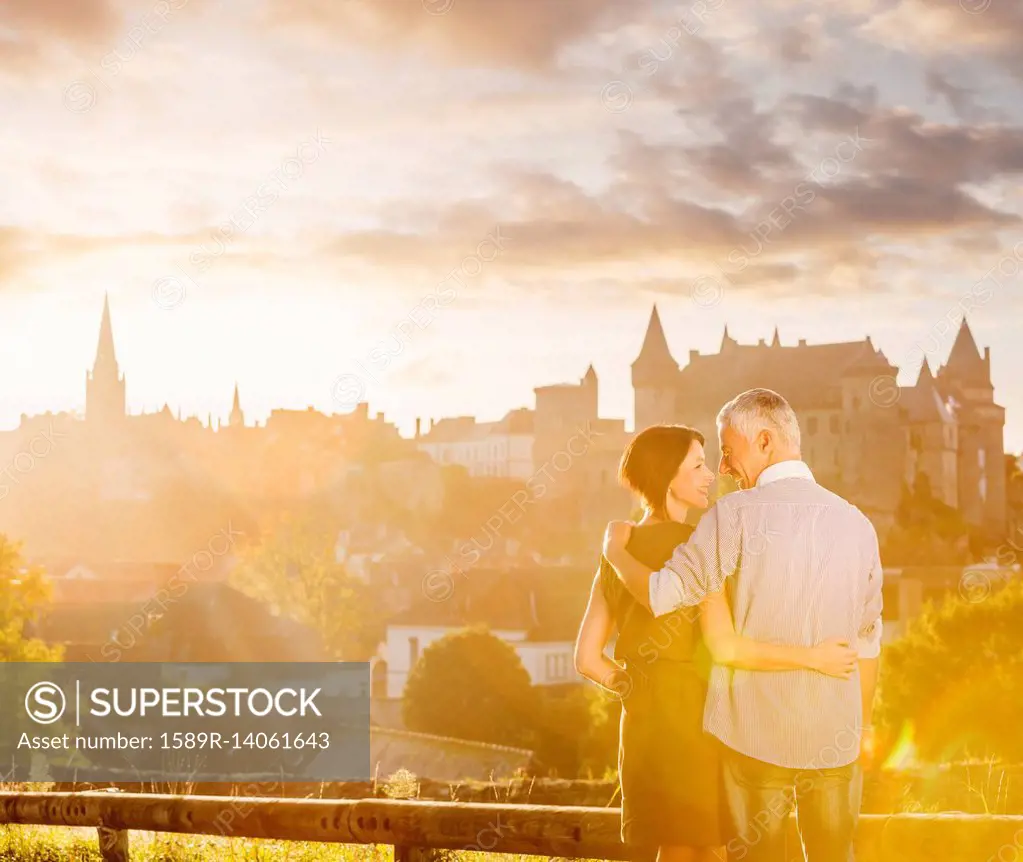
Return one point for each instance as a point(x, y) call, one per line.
point(413, 827)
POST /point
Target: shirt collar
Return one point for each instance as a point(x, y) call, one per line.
point(785, 470)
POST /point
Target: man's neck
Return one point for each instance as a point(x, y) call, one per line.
point(782, 458)
point(778, 459)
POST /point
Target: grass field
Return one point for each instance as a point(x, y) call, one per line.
point(69, 844)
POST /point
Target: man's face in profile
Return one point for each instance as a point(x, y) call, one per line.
point(736, 455)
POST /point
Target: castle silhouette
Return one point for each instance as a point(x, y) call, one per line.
point(863, 436)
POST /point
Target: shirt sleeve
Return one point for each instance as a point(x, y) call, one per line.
point(868, 641)
point(698, 567)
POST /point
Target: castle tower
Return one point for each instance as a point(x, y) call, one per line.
point(932, 438)
point(872, 473)
point(654, 378)
point(966, 379)
point(590, 391)
point(105, 386)
point(237, 417)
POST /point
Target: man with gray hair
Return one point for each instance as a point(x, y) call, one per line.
point(799, 565)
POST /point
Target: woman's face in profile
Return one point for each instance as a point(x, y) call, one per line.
point(691, 485)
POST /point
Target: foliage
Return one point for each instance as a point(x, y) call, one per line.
point(24, 592)
point(470, 684)
point(954, 679)
point(63, 844)
point(577, 731)
point(294, 570)
point(926, 530)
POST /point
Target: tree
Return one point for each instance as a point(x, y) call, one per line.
point(576, 731)
point(953, 682)
point(471, 685)
point(23, 594)
point(926, 530)
point(295, 571)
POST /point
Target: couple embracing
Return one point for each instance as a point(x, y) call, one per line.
point(747, 649)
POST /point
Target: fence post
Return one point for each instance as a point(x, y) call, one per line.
point(113, 843)
point(407, 853)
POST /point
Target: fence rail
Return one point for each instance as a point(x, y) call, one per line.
point(413, 827)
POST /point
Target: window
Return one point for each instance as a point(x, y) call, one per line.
point(811, 425)
point(856, 402)
point(980, 458)
point(557, 666)
point(413, 652)
point(834, 423)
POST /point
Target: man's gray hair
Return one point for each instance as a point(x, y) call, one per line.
point(758, 409)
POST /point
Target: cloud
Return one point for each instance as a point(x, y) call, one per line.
point(645, 220)
point(981, 28)
point(37, 26)
point(907, 145)
point(466, 33)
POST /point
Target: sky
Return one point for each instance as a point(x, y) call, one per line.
point(438, 205)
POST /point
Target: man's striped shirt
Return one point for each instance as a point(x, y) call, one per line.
point(800, 565)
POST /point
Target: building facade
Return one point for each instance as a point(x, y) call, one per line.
point(502, 449)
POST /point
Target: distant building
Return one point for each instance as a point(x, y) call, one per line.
point(536, 611)
point(502, 449)
point(121, 611)
point(105, 385)
point(862, 435)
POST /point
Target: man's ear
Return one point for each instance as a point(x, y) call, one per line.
point(764, 440)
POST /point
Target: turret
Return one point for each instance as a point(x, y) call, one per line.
point(591, 390)
point(655, 376)
point(655, 365)
point(965, 369)
point(966, 378)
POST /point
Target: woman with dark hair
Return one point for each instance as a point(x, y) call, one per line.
point(668, 768)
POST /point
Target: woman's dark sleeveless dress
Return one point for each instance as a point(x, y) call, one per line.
point(668, 767)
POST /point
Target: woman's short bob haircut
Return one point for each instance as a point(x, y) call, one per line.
point(651, 460)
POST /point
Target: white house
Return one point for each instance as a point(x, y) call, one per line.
point(547, 662)
point(498, 449)
point(537, 611)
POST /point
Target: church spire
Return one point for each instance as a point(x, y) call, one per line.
point(106, 357)
point(237, 418)
point(726, 340)
point(104, 386)
point(776, 341)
